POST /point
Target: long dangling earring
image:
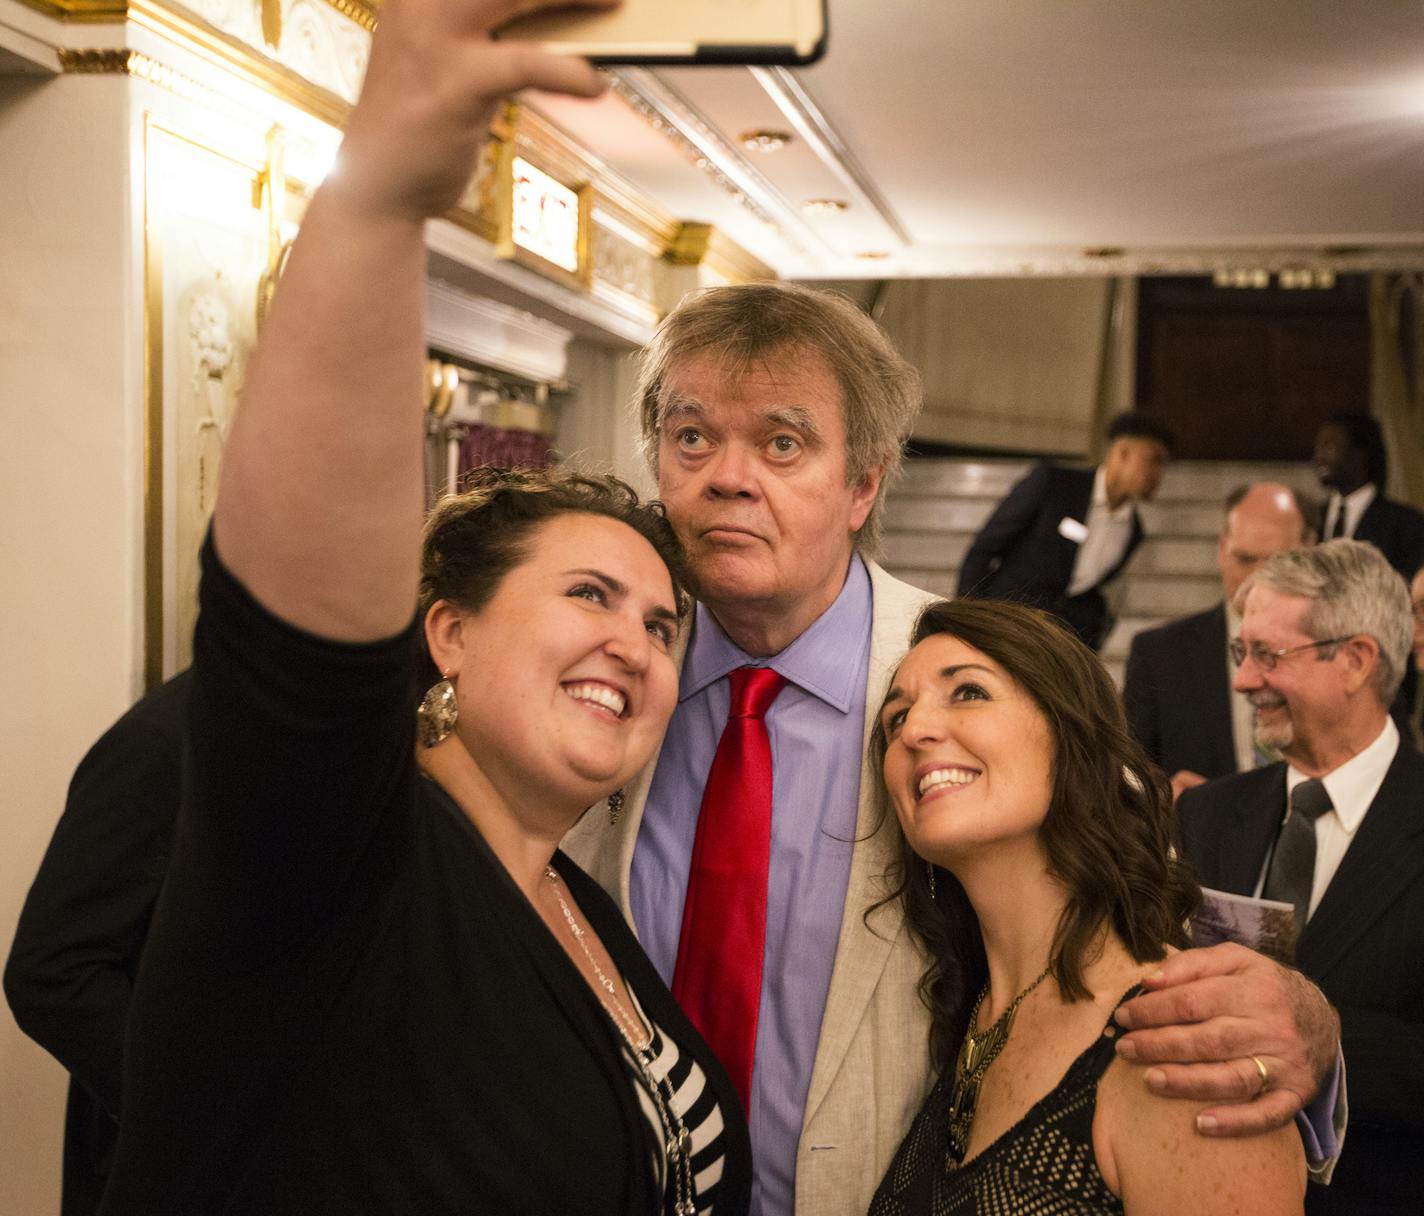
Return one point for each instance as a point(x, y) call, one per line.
point(929, 869)
point(438, 713)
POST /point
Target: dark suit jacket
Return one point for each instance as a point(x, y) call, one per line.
point(71, 970)
point(1364, 947)
point(1395, 529)
point(1178, 696)
point(1020, 554)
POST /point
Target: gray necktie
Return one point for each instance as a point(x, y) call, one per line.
point(1292, 871)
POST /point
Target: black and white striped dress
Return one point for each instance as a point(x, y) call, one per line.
point(695, 1104)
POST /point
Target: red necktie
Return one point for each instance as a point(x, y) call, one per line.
point(717, 980)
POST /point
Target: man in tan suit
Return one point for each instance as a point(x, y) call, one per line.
point(774, 416)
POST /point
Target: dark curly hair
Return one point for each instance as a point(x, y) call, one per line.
point(475, 538)
point(1108, 833)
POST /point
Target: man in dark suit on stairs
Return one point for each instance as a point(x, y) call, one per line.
point(1061, 535)
point(1178, 687)
point(1337, 829)
point(1350, 462)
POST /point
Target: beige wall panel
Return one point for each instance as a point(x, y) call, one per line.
point(1010, 364)
point(597, 427)
point(71, 466)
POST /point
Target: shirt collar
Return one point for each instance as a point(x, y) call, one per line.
point(1356, 500)
point(1118, 514)
point(1353, 786)
point(815, 662)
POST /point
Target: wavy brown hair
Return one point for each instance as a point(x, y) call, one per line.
point(1109, 831)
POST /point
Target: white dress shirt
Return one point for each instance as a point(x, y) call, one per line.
point(1243, 715)
point(1109, 530)
point(1352, 787)
point(1355, 504)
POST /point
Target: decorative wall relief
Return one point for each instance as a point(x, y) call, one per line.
point(623, 265)
point(206, 247)
point(321, 44)
point(210, 354)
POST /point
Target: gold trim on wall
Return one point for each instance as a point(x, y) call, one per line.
point(360, 12)
point(120, 61)
point(236, 57)
point(689, 246)
point(152, 433)
point(81, 11)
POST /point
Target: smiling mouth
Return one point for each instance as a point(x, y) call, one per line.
point(601, 696)
point(952, 775)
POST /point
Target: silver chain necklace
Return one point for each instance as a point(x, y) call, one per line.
point(677, 1140)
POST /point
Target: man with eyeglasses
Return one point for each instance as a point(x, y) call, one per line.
point(1177, 690)
point(1336, 829)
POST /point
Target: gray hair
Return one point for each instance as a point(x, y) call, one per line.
point(1356, 591)
point(741, 325)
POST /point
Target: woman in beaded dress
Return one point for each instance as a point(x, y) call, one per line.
point(1037, 872)
point(373, 984)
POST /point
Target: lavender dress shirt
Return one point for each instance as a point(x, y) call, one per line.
point(816, 727)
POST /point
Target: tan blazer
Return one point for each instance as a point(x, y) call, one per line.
point(872, 1067)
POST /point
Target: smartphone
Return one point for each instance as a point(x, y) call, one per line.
point(786, 32)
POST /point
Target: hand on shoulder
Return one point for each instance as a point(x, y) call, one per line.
point(1152, 1156)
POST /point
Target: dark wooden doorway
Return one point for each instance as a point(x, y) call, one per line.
point(1249, 373)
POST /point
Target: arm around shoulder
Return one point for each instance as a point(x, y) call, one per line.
point(1152, 1156)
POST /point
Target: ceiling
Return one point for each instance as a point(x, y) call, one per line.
point(1048, 137)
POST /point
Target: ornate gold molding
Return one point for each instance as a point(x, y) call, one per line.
point(239, 59)
point(81, 11)
point(121, 61)
point(689, 246)
point(361, 12)
point(732, 262)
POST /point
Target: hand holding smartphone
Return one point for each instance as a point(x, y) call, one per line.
point(765, 32)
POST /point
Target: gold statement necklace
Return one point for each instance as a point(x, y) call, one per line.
point(976, 1053)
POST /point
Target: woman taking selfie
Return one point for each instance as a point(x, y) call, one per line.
point(372, 984)
point(1037, 874)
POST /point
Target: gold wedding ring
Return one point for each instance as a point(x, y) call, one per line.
point(1265, 1076)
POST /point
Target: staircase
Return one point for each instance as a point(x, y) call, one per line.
point(934, 511)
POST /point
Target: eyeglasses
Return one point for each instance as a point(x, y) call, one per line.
point(1266, 659)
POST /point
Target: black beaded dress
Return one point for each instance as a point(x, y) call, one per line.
point(1042, 1166)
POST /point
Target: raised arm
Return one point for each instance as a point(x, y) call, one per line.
point(320, 506)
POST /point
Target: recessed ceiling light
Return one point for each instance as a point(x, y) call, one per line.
point(825, 206)
point(764, 141)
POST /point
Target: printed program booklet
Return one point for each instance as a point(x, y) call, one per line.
point(1266, 925)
